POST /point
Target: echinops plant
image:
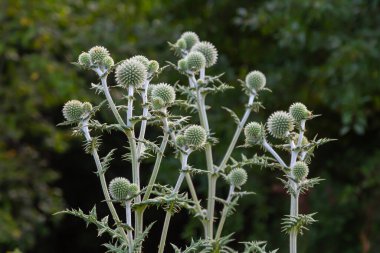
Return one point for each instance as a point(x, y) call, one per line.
point(148, 105)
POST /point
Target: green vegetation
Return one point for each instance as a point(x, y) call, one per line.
point(325, 53)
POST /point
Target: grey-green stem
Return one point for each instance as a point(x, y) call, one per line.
point(102, 179)
point(224, 213)
point(168, 215)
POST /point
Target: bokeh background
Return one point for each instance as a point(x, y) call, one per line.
point(324, 53)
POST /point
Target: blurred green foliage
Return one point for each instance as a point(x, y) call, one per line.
point(323, 53)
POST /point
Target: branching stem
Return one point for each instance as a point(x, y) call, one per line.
point(224, 213)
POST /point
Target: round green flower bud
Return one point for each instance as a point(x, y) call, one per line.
point(304, 141)
point(191, 38)
point(165, 92)
point(180, 140)
point(131, 72)
point(87, 107)
point(119, 188)
point(153, 66)
point(182, 65)
point(255, 80)
point(237, 177)
point(142, 59)
point(98, 53)
point(195, 61)
point(208, 50)
point(73, 110)
point(299, 111)
point(149, 91)
point(279, 124)
point(181, 43)
point(133, 189)
point(84, 59)
point(108, 62)
point(195, 136)
point(157, 103)
point(253, 133)
point(300, 170)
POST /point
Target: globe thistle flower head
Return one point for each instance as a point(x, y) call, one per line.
point(255, 80)
point(84, 59)
point(119, 188)
point(195, 136)
point(165, 92)
point(157, 103)
point(73, 110)
point(182, 65)
point(153, 66)
point(208, 50)
point(180, 140)
point(87, 107)
point(98, 53)
point(181, 43)
point(299, 111)
point(131, 72)
point(190, 38)
point(254, 133)
point(142, 59)
point(133, 189)
point(108, 62)
point(237, 177)
point(300, 170)
point(279, 124)
point(195, 61)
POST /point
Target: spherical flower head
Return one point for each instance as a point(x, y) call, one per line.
point(255, 80)
point(195, 61)
point(87, 107)
point(133, 189)
point(165, 92)
point(195, 136)
point(131, 72)
point(108, 62)
point(84, 59)
point(180, 140)
point(237, 177)
point(182, 65)
point(73, 110)
point(157, 103)
point(119, 188)
point(142, 59)
point(300, 170)
point(153, 66)
point(98, 53)
point(299, 111)
point(304, 141)
point(208, 50)
point(279, 124)
point(181, 43)
point(253, 132)
point(191, 38)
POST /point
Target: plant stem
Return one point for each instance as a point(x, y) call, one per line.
point(237, 133)
point(168, 213)
point(224, 213)
point(212, 177)
point(128, 216)
point(268, 147)
point(103, 182)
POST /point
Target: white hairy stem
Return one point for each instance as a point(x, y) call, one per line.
point(237, 133)
point(130, 105)
point(224, 213)
point(168, 215)
point(269, 148)
point(128, 216)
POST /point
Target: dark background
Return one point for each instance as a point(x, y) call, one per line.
point(322, 53)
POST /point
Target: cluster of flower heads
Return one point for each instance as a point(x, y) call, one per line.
point(279, 124)
point(120, 189)
point(97, 56)
point(197, 54)
point(75, 110)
